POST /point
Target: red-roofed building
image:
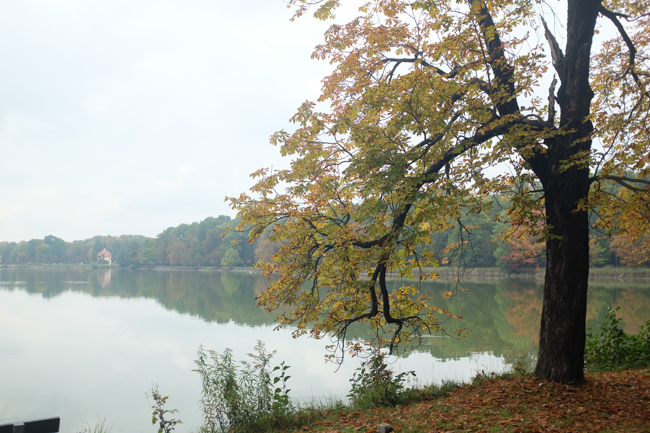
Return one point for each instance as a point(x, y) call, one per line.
point(106, 256)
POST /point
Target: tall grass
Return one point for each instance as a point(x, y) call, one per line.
point(100, 427)
point(246, 395)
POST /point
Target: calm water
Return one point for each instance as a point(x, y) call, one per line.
point(86, 345)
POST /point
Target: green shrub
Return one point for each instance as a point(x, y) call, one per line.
point(242, 395)
point(613, 349)
point(375, 385)
point(159, 412)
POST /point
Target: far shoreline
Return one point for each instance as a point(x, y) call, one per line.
point(446, 272)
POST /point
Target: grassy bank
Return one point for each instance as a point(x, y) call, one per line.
point(607, 402)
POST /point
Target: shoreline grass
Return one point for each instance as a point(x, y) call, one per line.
point(510, 402)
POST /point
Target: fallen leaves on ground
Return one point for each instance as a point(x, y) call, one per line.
point(611, 402)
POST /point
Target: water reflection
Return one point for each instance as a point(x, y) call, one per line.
point(213, 296)
point(501, 316)
point(83, 343)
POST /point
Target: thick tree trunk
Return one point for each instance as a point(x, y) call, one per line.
point(562, 330)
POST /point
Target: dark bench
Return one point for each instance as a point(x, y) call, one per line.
point(50, 425)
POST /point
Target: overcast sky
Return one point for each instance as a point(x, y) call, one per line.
point(128, 117)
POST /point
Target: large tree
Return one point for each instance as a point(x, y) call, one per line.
point(431, 107)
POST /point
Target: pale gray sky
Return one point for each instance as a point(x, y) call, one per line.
point(127, 117)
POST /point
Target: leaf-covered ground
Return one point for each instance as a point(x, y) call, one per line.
point(607, 402)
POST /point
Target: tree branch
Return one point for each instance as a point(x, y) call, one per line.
point(627, 182)
point(503, 71)
point(627, 17)
point(416, 58)
point(556, 52)
point(551, 101)
point(630, 45)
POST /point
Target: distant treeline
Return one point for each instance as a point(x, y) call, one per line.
point(210, 243)
point(207, 243)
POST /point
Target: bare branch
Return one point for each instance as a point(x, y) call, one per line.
point(627, 17)
point(551, 101)
point(556, 52)
point(416, 58)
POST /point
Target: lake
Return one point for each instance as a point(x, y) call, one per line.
point(87, 344)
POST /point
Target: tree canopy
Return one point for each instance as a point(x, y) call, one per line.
point(431, 107)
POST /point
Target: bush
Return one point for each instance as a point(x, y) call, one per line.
point(613, 349)
point(241, 395)
point(375, 385)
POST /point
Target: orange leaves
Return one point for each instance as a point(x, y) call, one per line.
point(621, 117)
point(522, 245)
point(523, 251)
point(623, 201)
point(632, 250)
point(616, 402)
point(424, 103)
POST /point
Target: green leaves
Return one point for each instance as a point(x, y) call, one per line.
point(242, 394)
point(374, 384)
point(161, 415)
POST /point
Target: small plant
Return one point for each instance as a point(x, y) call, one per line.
point(524, 365)
point(613, 349)
point(483, 376)
point(375, 385)
point(159, 412)
point(100, 427)
point(242, 395)
point(281, 402)
point(439, 391)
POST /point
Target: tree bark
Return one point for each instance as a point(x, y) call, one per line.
point(564, 311)
point(562, 329)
